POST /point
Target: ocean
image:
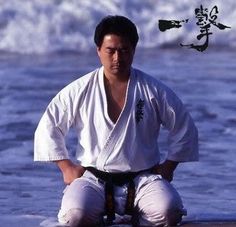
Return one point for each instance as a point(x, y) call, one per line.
point(44, 45)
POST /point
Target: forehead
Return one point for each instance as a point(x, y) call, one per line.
point(112, 40)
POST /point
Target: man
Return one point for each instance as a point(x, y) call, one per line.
point(117, 112)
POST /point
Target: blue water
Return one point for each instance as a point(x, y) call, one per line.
point(31, 192)
point(44, 45)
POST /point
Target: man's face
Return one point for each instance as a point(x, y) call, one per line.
point(116, 55)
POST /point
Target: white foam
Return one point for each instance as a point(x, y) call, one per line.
point(45, 26)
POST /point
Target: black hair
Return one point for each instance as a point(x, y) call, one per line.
point(117, 25)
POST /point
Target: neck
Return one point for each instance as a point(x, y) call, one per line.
point(117, 78)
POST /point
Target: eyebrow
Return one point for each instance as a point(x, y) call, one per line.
point(114, 48)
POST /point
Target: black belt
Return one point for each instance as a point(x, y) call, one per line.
point(118, 179)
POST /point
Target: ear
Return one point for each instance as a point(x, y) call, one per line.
point(98, 51)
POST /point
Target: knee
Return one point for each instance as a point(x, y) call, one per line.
point(79, 217)
point(173, 216)
point(162, 215)
point(169, 214)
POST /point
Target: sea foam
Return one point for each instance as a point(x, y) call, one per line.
point(35, 26)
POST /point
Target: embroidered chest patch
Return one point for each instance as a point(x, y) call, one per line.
point(139, 110)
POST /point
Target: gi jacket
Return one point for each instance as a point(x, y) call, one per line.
point(130, 144)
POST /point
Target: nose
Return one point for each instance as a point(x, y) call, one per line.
point(117, 55)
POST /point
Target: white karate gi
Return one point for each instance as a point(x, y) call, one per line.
point(130, 144)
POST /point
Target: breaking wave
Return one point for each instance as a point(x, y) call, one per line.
point(35, 26)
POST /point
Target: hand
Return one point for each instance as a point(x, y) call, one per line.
point(70, 170)
point(166, 169)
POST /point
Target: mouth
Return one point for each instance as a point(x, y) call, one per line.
point(116, 66)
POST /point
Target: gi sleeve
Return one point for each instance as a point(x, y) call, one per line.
point(49, 140)
point(183, 134)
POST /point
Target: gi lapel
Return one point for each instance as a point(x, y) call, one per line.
point(118, 127)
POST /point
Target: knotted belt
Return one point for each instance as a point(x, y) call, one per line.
point(117, 179)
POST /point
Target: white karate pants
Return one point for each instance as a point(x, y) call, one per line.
point(156, 203)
